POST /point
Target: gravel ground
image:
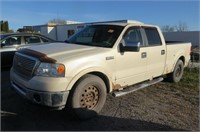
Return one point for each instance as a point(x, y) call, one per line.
point(154, 108)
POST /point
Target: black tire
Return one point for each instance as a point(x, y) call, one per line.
point(177, 74)
point(87, 97)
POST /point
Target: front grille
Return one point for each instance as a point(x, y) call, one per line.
point(24, 65)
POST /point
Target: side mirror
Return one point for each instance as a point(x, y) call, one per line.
point(130, 46)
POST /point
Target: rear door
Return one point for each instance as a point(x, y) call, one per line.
point(156, 52)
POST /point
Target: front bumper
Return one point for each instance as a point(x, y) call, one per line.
point(56, 100)
point(41, 90)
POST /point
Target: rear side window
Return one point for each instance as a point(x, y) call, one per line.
point(31, 39)
point(153, 36)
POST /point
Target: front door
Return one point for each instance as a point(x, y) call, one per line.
point(131, 66)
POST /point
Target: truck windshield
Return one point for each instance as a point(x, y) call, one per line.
point(97, 35)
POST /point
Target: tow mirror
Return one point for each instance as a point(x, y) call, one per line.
point(129, 46)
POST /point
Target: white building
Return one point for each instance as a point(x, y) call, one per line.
point(58, 32)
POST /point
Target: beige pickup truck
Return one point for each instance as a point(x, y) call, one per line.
point(116, 58)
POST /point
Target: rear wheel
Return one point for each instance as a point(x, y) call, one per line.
point(88, 96)
point(177, 74)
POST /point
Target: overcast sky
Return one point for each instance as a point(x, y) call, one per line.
point(21, 13)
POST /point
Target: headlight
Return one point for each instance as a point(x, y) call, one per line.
point(50, 70)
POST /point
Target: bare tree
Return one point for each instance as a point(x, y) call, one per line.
point(168, 28)
point(58, 21)
point(181, 27)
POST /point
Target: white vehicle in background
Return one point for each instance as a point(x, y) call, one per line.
point(102, 58)
point(10, 42)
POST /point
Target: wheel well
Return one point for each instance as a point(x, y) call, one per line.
point(103, 77)
point(183, 59)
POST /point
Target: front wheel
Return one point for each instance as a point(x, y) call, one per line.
point(88, 96)
point(177, 74)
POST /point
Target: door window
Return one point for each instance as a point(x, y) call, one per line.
point(14, 40)
point(133, 37)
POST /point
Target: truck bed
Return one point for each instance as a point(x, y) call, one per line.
point(175, 42)
point(175, 49)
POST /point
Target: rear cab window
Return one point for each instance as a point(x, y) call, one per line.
point(152, 35)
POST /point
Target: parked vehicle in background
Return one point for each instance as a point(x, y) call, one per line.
point(10, 42)
point(101, 58)
point(195, 54)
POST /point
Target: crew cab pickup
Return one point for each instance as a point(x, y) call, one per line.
point(100, 59)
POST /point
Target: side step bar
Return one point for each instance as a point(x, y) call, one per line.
point(136, 87)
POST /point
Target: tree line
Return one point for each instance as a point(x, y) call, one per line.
point(5, 27)
point(180, 27)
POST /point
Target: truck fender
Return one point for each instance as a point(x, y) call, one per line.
point(177, 57)
point(87, 71)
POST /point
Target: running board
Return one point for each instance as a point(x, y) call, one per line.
point(136, 87)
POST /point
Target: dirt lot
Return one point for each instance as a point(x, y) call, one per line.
point(164, 106)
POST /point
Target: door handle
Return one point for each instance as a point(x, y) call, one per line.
point(144, 54)
point(162, 52)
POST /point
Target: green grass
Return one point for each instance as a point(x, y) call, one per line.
point(190, 78)
point(191, 75)
point(188, 87)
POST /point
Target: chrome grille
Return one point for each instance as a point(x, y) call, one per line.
point(24, 65)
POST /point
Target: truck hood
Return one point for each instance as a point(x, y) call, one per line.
point(62, 51)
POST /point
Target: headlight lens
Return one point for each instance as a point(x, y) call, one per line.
point(50, 70)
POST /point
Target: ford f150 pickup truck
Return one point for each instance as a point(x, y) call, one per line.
point(100, 59)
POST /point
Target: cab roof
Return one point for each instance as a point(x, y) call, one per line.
point(121, 23)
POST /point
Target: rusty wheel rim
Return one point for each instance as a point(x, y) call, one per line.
point(89, 97)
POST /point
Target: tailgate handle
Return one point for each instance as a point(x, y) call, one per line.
point(144, 54)
point(162, 52)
